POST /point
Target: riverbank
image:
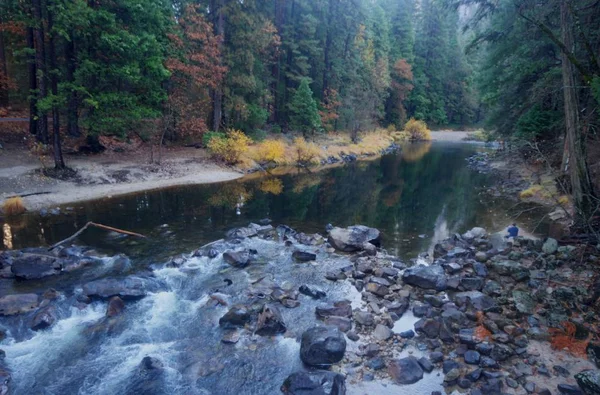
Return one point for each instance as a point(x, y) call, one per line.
point(514, 318)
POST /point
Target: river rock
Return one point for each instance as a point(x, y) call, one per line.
point(34, 266)
point(311, 291)
point(239, 259)
point(340, 308)
point(475, 233)
point(429, 327)
point(237, 316)
point(44, 318)
point(480, 301)
point(523, 302)
point(364, 318)
point(270, 322)
point(472, 357)
point(322, 346)
point(314, 383)
point(427, 277)
point(241, 233)
point(472, 283)
point(569, 389)
point(377, 289)
point(353, 238)
point(589, 381)
point(303, 256)
point(126, 288)
point(405, 370)
point(342, 323)
point(148, 378)
point(550, 246)
point(5, 378)
point(115, 307)
point(17, 304)
point(382, 332)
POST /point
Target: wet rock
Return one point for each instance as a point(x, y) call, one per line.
point(239, 259)
point(312, 292)
point(314, 383)
point(472, 283)
point(589, 381)
point(303, 256)
point(5, 378)
point(364, 318)
point(237, 316)
point(398, 308)
point(382, 332)
point(115, 307)
point(127, 288)
point(44, 318)
point(340, 308)
point(523, 302)
point(376, 363)
point(429, 327)
point(18, 304)
point(501, 352)
point(231, 337)
point(550, 246)
point(427, 277)
point(593, 352)
point(342, 323)
point(35, 266)
point(241, 233)
point(270, 322)
point(569, 389)
point(426, 364)
point(322, 346)
point(148, 378)
point(353, 238)
point(405, 370)
point(475, 233)
point(472, 357)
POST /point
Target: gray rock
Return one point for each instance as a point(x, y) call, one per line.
point(322, 346)
point(353, 238)
point(314, 383)
point(17, 304)
point(427, 277)
point(405, 370)
point(480, 301)
point(364, 318)
point(241, 233)
point(35, 266)
point(239, 259)
point(523, 302)
point(44, 318)
point(481, 256)
point(382, 332)
point(569, 389)
point(501, 352)
point(377, 289)
point(472, 357)
point(304, 256)
point(452, 375)
point(550, 246)
point(340, 308)
point(471, 283)
point(426, 364)
point(237, 316)
point(127, 288)
point(429, 327)
point(589, 381)
point(342, 323)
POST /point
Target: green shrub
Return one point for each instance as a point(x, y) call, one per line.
point(257, 135)
point(211, 135)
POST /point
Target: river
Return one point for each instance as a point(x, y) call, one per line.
point(415, 197)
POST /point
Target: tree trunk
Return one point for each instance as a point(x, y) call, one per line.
point(581, 185)
point(217, 95)
point(327, 50)
point(3, 71)
point(73, 105)
point(59, 162)
point(32, 74)
point(40, 61)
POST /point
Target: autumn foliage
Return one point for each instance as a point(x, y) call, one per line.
point(417, 130)
point(305, 153)
point(13, 206)
point(270, 151)
point(231, 148)
point(481, 332)
point(563, 339)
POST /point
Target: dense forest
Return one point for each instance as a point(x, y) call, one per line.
point(527, 70)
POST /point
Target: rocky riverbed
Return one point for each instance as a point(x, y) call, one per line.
point(307, 314)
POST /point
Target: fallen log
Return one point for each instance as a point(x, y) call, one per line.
point(100, 226)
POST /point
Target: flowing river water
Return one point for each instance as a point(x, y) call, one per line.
point(414, 198)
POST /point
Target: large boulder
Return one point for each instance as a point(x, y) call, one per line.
point(406, 370)
point(322, 346)
point(353, 238)
point(427, 277)
point(589, 381)
point(314, 383)
point(126, 288)
point(35, 266)
point(18, 304)
point(270, 322)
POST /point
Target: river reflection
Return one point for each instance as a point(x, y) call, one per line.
point(416, 197)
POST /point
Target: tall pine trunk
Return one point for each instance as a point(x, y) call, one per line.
point(59, 162)
point(32, 75)
point(217, 94)
point(40, 62)
point(581, 185)
point(73, 104)
point(3, 70)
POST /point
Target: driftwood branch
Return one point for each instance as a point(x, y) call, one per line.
point(105, 227)
point(29, 194)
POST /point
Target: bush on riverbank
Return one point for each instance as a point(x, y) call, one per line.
point(13, 206)
point(414, 130)
point(230, 148)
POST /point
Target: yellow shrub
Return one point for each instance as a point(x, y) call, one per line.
point(270, 151)
point(400, 136)
point(530, 192)
point(417, 130)
point(231, 148)
point(13, 206)
point(305, 153)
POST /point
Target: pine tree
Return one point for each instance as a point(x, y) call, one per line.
point(304, 115)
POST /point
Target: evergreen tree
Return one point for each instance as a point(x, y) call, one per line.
point(304, 115)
